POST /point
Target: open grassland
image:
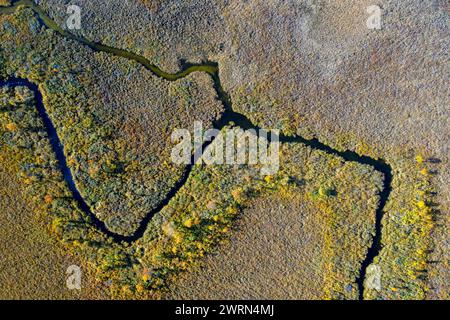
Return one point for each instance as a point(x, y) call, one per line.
point(276, 251)
point(33, 263)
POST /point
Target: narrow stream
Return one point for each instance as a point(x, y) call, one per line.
point(228, 116)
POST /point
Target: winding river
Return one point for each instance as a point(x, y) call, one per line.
point(228, 116)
